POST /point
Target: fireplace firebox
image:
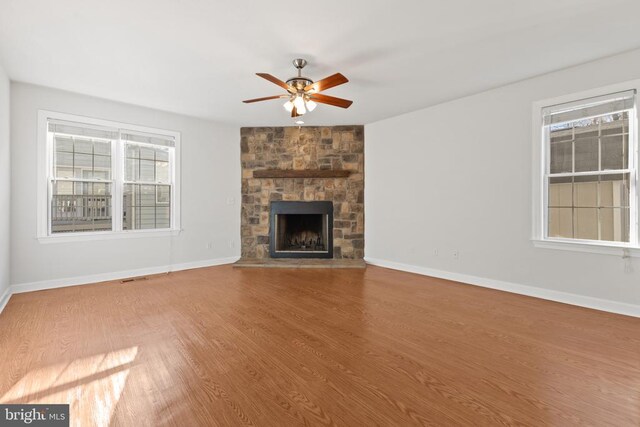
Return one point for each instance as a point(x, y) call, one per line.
point(301, 230)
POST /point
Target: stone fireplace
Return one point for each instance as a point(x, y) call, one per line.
point(303, 165)
point(301, 230)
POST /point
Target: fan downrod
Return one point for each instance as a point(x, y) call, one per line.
point(299, 82)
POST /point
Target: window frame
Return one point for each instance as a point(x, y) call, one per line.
point(540, 155)
point(45, 173)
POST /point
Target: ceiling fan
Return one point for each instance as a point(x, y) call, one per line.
point(302, 93)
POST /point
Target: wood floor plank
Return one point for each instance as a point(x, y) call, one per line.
point(337, 347)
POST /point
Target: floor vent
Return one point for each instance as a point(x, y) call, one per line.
point(133, 279)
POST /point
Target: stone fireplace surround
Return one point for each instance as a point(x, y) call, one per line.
point(308, 149)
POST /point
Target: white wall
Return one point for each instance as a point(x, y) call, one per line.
point(5, 186)
point(457, 176)
point(210, 175)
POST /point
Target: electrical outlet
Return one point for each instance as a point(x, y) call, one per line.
point(209, 245)
point(455, 254)
point(232, 243)
point(435, 252)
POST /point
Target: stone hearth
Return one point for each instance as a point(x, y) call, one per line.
point(337, 148)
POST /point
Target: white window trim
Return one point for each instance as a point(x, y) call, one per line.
point(539, 157)
point(44, 162)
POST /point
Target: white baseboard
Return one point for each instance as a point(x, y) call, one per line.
point(532, 291)
point(104, 277)
point(4, 298)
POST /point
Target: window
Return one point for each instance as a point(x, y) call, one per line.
point(588, 163)
point(106, 178)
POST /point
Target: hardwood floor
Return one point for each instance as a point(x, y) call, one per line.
point(277, 347)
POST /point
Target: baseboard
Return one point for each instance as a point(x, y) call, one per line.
point(104, 277)
point(532, 291)
point(4, 298)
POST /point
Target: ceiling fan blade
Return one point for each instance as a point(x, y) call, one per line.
point(331, 100)
point(277, 81)
point(266, 98)
point(294, 112)
point(326, 83)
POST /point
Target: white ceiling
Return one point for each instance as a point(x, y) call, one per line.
point(198, 57)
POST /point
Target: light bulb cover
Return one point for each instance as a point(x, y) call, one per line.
point(311, 105)
point(299, 102)
point(288, 106)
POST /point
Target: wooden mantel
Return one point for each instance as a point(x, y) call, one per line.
point(305, 173)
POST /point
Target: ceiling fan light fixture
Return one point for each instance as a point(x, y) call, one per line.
point(301, 90)
point(311, 105)
point(299, 103)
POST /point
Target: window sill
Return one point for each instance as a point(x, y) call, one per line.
point(588, 247)
point(107, 235)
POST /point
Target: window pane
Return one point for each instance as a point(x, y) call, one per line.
point(162, 172)
point(614, 190)
point(614, 153)
point(80, 207)
point(597, 143)
point(64, 144)
point(163, 195)
point(133, 151)
point(147, 153)
point(102, 148)
point(586, 223)
point(147, 195)
point(147, 171)
point(163, 217)
point(82, 158)
point(594, 207)
point(146, 206)
point(613, 124)
point(561, 222)
point(561, 192)
point(147, 164)
point(101, 167)
point(586, 151)
point(561, 156)
point(147, 217)
point(83, 146)
point(614, 224)
point(162, 155)
point(131, 169)
point(64, 164)
point(63, 187)
point(82, 165)
point(585, 191)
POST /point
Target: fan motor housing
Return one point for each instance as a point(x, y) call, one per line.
point(299, 83)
